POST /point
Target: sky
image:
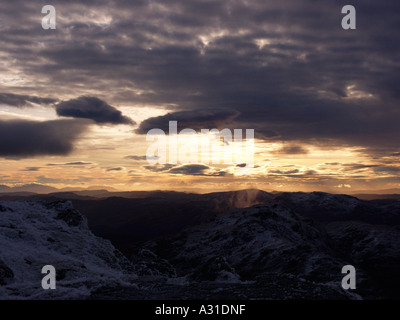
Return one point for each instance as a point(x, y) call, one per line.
point(77, 102)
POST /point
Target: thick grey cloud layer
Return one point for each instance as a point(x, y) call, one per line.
point(287, 67)
point(92, 108)
point(20, 138)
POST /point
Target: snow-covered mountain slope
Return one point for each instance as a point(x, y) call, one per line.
point(34, 234)
point(327, 207)
point(292, 246)
point(373, 248)
point(264, 237)
point(254, 243)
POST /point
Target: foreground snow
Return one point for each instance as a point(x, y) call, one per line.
point(34, 234)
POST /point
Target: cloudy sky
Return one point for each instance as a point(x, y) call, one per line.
point(77, 102)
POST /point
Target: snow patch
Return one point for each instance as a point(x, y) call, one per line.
point(35, 233)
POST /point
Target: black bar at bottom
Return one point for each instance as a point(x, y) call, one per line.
point(179, 309)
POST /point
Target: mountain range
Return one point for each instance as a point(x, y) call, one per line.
point(106, 191)
point(246, 244)
point(44, 189)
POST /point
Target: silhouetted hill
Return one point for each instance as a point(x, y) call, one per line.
point(369, 196)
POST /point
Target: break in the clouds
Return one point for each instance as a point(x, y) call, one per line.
point(22, 138)
point(17, 100)
point(92, 108)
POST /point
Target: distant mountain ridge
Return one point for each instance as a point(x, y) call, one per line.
point(142, 215)
point(45, 189)
point(106, 192)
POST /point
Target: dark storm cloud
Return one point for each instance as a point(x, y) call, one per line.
point(288, 68)
point(92, 108)
point(17, 100)
point(21, 138)
point(194, 119)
